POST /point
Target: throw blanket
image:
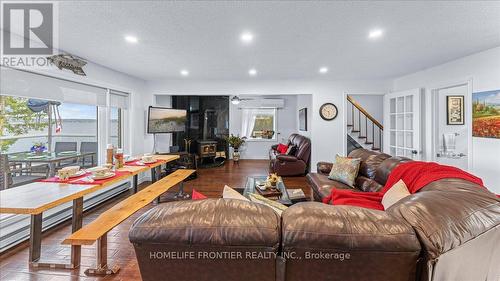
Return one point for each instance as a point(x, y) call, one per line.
point(415, 175)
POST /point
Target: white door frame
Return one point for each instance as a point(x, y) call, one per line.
point(467, 112)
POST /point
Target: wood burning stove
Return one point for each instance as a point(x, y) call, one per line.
point(207, 149)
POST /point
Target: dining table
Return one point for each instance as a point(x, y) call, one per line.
point(35, 198)
point(49, 158)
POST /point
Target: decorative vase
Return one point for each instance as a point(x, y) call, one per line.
point(236, 155)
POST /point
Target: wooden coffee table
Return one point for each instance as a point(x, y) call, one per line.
point(251, 188)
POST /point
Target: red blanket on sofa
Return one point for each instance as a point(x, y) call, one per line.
point(415, 175)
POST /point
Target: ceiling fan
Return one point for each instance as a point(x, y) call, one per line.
point(236, 100)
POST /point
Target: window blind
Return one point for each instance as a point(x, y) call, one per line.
point(25, 84)
point(118, 99)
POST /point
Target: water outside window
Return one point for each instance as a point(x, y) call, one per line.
point(22, 128)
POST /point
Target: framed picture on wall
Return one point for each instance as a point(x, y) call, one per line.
point(303, 119)
point(486, 114)
point(455, 110)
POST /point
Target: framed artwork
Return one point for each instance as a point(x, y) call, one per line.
point(455, 110)
point(303, 119)
point(486, 114)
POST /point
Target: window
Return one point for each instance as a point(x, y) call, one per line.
point(115, 127)
point(90, 116)
point(259, 123)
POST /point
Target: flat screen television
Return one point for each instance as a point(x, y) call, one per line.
point(166, 120)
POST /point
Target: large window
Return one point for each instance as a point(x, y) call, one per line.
point(259, 123)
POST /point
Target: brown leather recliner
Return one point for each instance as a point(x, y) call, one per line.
point(296, 164)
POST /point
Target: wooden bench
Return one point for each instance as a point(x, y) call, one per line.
point(97, 230)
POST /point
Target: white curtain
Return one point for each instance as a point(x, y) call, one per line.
point(248, 121)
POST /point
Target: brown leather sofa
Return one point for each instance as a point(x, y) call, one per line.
point(373, 172)
point(206, 240)
point(449, 230)
point(456, 222)
point(296, 164)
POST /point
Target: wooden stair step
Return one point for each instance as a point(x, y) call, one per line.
point(375, 148)
point(361, 137)
point(350, 125)
point(355, 131)
point(368, 142)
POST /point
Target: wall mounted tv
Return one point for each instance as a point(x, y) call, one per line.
point(166, 120)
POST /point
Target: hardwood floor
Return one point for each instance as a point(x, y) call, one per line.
point(14, 263)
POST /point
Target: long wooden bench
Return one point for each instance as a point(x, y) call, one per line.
point(97, 230)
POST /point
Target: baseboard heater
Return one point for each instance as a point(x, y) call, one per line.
point(15, 229)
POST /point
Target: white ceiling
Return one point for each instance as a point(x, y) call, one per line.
point(292, 39)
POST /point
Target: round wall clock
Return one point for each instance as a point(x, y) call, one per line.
point(328, 111)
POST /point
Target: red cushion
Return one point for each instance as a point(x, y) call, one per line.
point(197, 196)
point(282, 148)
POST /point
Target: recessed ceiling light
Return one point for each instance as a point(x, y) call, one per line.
point(323, 70)
point(184, 72)
point(246, 37)
point(375, 33)
point(131, 39)
point(252, 72)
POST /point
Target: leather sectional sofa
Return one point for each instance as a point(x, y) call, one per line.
point(296, 164)
point(449, 230)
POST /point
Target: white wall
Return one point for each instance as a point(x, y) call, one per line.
point(484, 70)
point(373, 104)
point(305, 101)
point(329, 137)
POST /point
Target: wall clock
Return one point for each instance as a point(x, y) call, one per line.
point(328, 111)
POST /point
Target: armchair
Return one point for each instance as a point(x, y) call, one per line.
point(291, 165)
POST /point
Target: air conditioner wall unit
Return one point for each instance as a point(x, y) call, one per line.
point(262, 103)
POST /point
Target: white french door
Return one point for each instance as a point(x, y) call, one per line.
point(402, 132)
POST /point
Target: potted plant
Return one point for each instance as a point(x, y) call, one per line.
point(235, 142)
point(38, 148)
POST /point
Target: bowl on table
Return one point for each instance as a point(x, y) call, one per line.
point(147, 159)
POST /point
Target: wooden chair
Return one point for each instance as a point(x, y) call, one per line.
point(22, 175)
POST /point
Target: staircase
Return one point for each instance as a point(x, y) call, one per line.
point(362, 129)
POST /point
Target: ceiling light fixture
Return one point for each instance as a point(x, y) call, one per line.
point(184, 72)
point(375, 33)
point(323, 70)
point(246, 37)
point(252, 72)
point(131, 39)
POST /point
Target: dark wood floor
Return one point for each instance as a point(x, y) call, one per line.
point(14, 263)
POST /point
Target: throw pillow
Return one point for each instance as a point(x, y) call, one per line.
point(197, 196)
point(230, 193)
point(397, 192)
point(345, 170)
point(282, 148)
point(276, 206)
point(292, 149)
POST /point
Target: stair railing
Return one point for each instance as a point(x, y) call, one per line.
point(375, 138)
